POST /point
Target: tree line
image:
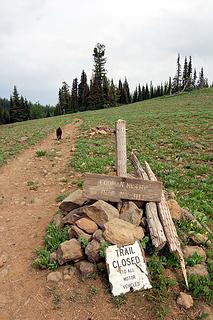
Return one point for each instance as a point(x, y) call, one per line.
point(100, 92)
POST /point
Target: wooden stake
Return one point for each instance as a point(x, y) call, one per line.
point(155, 228)
point(168, 225)
point(120, 145)
point(120, 151)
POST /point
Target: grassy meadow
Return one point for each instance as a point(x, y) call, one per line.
point(172, 133)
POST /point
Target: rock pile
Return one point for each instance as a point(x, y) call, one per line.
point(92, 226)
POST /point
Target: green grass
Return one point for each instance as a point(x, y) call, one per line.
point(54, 236)
point(173, 134)
point(11, 143)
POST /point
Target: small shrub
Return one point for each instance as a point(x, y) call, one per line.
point(194, 259)
point(54, 236)
point(201, 287)
point(102, 249)
point(118, 300)
point(144, 242)
point(93, 290)
point(42, 261)
point(61, 197)
point(40, 153)
point(83, 241)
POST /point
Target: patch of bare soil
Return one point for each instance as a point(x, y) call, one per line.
point(28, 188)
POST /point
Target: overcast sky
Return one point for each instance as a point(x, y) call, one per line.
point(45, 42)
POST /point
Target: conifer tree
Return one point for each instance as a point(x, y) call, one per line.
point(147, 92)
point(139, 93)
point(99, 73)
point(74, 96)
point(151, 90)
point(135, 96)
point(64, 99)
point(17, 107)
point(112, 95)
point(194, 81)
point(201, 80)
point(176, 84)
point(83, 92)
point(126, 92)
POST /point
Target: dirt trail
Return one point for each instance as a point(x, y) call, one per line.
point(24, 215)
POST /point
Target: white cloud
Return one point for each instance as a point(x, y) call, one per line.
point(43, 42)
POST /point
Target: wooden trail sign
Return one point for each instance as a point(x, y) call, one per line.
point(115, 189)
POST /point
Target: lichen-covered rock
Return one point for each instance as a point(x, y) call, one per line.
point(185, 300)
point(92, 251)
point(101, 212)
point(69, 250)
point(87, 225)
point(120, 232)
point(131, 213)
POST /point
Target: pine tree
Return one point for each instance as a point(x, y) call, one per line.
point(64, 99)
point(201, 80)
point(176, 84)
point(106, 85)
point(126, 92)
point(147, 92)
point(135, 96)
point(185, 71)
point(189, 75)
point(151, 90)
point(113, 95)
point(99, 72)
point(17, 107)
point(194, 80)
point(83, 92)
point(139, 93)
point(74, 96)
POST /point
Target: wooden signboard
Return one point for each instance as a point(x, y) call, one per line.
point(115, 189)
point(126, 269)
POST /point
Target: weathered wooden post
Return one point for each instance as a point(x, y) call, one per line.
point(120, 148)
point(156, 230)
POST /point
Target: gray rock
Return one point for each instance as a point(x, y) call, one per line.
point(121, 232)
point(198, 269)
point(92, 251)
point(73, 216)
point(87, 225)
point(101, 212)
point(86, 269)
point(55, 277)
point(185, 300)
point(69, 251)
point(131, 213)
point(73, 201)
point(189, 250)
